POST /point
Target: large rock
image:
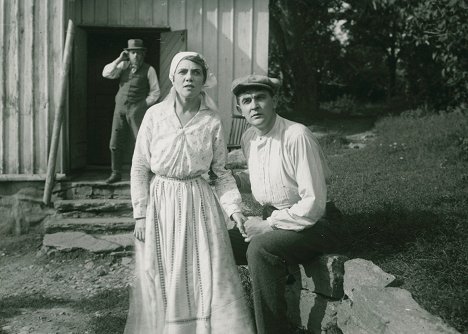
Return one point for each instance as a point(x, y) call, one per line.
point(360, 272)
point(310, 311)
point(379, 310)
point(312, 295)
point(324, 275)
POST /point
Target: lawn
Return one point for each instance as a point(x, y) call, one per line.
point(404, 200)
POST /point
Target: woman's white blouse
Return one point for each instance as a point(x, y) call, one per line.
point(165, 147)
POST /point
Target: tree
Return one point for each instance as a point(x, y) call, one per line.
point(441, 28)
point(302, 46)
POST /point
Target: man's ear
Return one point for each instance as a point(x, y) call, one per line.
point(239, 109)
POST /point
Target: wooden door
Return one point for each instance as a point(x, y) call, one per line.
point(172, 42)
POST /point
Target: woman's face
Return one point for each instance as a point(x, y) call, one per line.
point(188, 79)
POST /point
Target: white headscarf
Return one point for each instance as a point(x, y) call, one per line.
point(210, 81)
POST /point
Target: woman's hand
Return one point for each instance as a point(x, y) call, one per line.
point(139, 231)
point(239, 218)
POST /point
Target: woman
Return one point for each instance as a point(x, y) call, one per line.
point(187, 278)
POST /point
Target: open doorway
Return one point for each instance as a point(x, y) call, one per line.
point(92, 97)
point(104, 46)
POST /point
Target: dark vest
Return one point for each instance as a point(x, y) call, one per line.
point(133, 87)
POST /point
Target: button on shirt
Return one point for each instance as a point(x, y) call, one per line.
point(286, 169)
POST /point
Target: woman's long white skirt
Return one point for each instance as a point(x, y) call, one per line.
point(187, 280)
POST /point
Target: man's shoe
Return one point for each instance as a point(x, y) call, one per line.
point(114, 177)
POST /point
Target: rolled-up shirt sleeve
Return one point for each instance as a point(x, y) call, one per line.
point(114, 69)
point(140, 173)
point(305, 156)
point(225, 185)
point(154, 91)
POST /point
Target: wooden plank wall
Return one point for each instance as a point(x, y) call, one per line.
point(231, 34)
point(31, 42)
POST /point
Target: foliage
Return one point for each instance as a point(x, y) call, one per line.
point(442, 26)
point(301, 47)
point(394, 50)
point(344, 106)
point(404, 202)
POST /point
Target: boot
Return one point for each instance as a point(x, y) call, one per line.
point(114, 177)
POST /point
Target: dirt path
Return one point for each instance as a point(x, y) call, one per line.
point(61, 292)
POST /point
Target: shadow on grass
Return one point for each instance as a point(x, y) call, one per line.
point(389, 231)
point(108, 309)
point(394, 230)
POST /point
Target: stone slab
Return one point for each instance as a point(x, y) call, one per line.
point(310, 311)
point(390, 310)
point(94, 205)
point(68, 241)
point(360, 272)
point(125, 240)
point(93, 225)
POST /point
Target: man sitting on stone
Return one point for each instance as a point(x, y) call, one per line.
point(286, 174)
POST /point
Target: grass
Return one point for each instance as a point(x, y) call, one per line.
point(404, 200)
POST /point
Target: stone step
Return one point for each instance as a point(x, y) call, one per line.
point(91, 225)
point(69, 241)
point(94, 207)
point(92, 189)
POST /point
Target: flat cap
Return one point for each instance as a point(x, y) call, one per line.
point(255, 81)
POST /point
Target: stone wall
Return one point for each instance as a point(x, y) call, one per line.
point(334, 295)
point(21, 211)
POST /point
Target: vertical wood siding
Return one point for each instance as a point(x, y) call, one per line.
point(31, 43)
point(231, 34)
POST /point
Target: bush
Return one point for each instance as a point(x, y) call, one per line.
point(344, 106)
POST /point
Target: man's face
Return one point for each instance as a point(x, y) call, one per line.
point(258, 107)
point(136, 57)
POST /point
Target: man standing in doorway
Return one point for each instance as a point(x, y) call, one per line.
point(286, 174)
point(138, 90)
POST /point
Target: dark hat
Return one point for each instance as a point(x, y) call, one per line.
point(255, 81)
point(135, 44)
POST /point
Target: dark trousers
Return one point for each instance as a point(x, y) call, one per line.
point(267, 257)
point(125, 124)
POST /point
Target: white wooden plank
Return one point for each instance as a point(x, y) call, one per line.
point(59, 37)
point(226, 59)
point(41, 91)
point(128, 13)
point(145, 13)
point(2, 85)
point(87, 11)
point(160, 13)
point(260, 37)
point(27, 88)
point(194, 10)
point(101, 12)
point(210, 39)
point(114, 12)
point(243, 37)
point(177, 16)
point(12, 89)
